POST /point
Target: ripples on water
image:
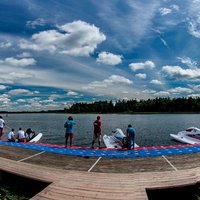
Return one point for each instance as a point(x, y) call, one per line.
point(152, 129)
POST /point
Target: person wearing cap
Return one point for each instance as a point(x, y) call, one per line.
point(97, 131)
point(130, 133)
point(69, 125)
point(2, 124)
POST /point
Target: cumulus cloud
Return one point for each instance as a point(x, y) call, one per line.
point(180, 90)
point(161, 94)
point(77, 38)
point(21, 100)
point(16, 92)
point(36, 22)
point(109, 58)
point(5, 44)
point(180, 73)
point(3, 87)
point(149, 91)
point(4, 99)
point(146, 65)
point(114, 79)
point(194, 95)
point(24, 55)
point(194, 27)
point(141, 76)
point(72, 93)
point(188, 61)
point(18, 62)
point(196, 88)
point(156, 82)
point(55, 96)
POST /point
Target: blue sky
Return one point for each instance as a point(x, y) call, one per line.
point(54, 53)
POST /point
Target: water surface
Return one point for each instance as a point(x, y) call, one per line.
point(152, 129)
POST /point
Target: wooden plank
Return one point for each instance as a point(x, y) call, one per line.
point(68, 184)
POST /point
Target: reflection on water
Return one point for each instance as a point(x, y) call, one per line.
point(153, 129)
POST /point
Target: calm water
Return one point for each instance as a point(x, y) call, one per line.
point(151, 129)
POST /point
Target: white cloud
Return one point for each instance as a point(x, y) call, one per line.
point(180, 73)
point(114, 79)
point(194, 95)
point(188, 61)
point(127, 34)
point(196, 88)
point(149, 91)
point(77, 38)
point(141, 76)
point(175, 7)
point(180, 90)
point(24, 55)
point(72, 93)
point(5, 44)
point(55, 96)
point(109, 58)
point(156, 82)
point(164, 42)
point(146, 65)
point(3, 87)
point(16, 92)
point(165, 11)
point(21, 100)
point(4, 99)
point(194, 27)
point(18, 62)
point(162, 94)
point(36, 22)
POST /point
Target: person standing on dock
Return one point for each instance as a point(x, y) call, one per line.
point(97, 131)
point(2, 124)
point(130, 133)
point(69, 125)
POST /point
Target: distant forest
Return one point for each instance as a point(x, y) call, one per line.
point(166, 105)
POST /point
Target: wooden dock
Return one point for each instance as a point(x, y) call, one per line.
point(72, 177)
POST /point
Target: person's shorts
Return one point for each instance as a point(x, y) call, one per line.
point(71, 135)
point(22, 140)
point(97, 135)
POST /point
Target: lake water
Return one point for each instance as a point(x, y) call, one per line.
point(151, 129)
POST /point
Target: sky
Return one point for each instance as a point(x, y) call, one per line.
point(55, 53)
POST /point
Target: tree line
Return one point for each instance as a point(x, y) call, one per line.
point(167, 105)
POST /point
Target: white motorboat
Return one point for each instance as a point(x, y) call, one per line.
point(115, 140)
point(189, 136)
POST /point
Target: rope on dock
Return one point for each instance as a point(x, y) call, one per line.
point(30, 156)
point(170, 163)
point(94, 164)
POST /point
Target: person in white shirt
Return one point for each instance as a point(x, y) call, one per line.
point(11, 136)
point(2, 124)
point(21, 135)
